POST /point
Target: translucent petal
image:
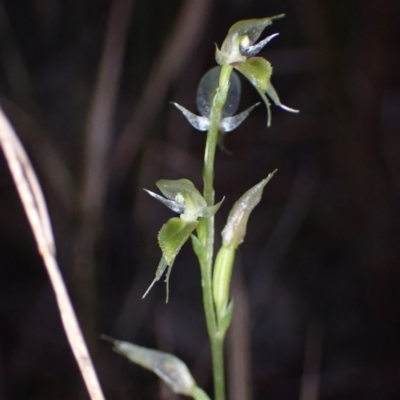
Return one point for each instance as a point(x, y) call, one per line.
point(207, 88)
point(171, 188)
point(179, 208)
point(199, 123)
point(228, 124)
point(251, 51)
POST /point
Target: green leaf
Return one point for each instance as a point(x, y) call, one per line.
point(235, 229)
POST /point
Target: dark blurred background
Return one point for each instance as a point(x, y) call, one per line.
point(88, 85)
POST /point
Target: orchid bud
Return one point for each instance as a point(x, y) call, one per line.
point(232, 235)
point(221, 281)
point(235, 229)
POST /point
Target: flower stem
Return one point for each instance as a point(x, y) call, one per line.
point(206, 235)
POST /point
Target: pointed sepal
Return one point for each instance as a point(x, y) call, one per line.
point(198, 122)
point(240, 36)
point(252, 50)
point(162, 265)
point(172, 236)
point(228, 124)
point(174, 206)
point(258, 71)
point(271, 92)
point(211, 210)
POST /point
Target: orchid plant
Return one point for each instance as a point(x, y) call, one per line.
point(217, 100)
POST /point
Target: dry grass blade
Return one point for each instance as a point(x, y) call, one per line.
point(35, 208)
point(50, 162)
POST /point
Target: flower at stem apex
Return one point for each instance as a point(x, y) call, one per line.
point(239, 49)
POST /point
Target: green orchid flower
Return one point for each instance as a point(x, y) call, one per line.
point(206, 91)
point(182, 197)
point(239, 49)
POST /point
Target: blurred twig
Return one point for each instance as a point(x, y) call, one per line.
point(48, 159)
point(183, 39)
point(35, 208)
point(239, 355)
point(1, 378)
point(165, 342)
point(353, 93)
point(286, 229)
point(12, 60)
point(98, 135)
point(310, 382)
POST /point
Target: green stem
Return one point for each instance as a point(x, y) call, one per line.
point(206, 235)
